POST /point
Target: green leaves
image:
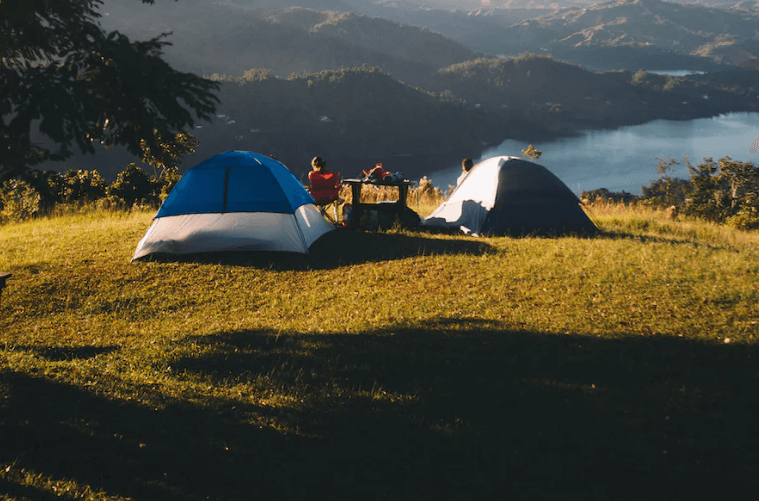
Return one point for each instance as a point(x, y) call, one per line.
point(532, 153)
point(722, 190)
point(61, 73)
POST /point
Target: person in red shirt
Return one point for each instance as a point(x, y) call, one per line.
point(325, 184)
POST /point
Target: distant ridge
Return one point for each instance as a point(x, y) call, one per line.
point(725, 36)
point(232, 37)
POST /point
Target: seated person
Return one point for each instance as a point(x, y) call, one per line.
point(466, 166)
point(325, 185)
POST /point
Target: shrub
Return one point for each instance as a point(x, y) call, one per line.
point(49, 184)
point(167, 180)
point(81, 186)
point(602, 195)
point(135, 186)
point(20, 201)
point(667, 191)
point(724, 191)
point(746, 219)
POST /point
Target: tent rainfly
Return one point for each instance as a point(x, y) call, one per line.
point(504, 195)
point(235, 201)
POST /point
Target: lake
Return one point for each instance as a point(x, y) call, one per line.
point(625, 158)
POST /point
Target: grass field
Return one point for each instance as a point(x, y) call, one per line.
point(391, 365)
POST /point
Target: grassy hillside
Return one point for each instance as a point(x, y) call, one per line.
point(392, 365)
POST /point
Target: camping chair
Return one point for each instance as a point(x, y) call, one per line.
point(325, 188)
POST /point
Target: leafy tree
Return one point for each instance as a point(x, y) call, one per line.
point(667, 190)
point(61, 73)
point(725, 190)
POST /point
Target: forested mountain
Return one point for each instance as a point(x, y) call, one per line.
point(623, 34)
point(353, 117)
point(416, 99)
point(721, 35)
point(229, 38)
point(357, 117)
point(410, 40)
point(536, 88)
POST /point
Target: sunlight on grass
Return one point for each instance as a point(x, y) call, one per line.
point(415, 335)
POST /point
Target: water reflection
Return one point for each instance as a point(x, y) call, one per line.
point(677, 73)
point(625, 158)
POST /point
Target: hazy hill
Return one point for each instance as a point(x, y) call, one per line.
point(463, 102)
point(407, 43)
point(412, 40)
point(229, 38)
point(722, 35)
point(352, 117)
point(357, 117)
point(478, 29)
point(532, 4)
point(537, 89)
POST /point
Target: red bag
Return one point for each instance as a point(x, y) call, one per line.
point(376, 173)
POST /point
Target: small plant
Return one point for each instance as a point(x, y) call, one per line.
point(532, 153)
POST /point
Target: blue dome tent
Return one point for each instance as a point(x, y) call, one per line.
point(235, 201)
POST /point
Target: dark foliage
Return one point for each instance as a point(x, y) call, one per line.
point(603, 194)
point(61, 73)
point(133, 185)
point(723, 191)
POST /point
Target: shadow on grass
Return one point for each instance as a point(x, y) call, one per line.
point(691, 242)
point(58, 354)
point(341, 248)
point(451, 409)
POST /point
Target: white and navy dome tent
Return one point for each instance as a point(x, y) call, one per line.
point(505, 194)
point(235, 201)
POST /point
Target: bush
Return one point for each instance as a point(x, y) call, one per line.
point(135, 186)
point(667, 191)
point(49, 184)
point(167, 180)
point(723, 191)
point(602, 195)
point(81, 186)
point(20, 201)
point(747, 219)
